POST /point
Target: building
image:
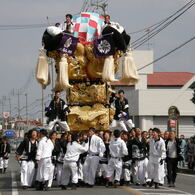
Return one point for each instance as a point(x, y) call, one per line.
point(156, 92)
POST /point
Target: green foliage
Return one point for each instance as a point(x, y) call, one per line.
point(193, 98)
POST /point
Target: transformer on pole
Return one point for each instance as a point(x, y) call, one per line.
point(98, 6)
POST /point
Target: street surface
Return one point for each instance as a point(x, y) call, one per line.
point(10, 185)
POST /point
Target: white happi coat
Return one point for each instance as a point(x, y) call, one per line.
point(118, 149)
point(71, 157)
point(64, 25)
point(156, 171)
point(44, 153)
point(95, 151)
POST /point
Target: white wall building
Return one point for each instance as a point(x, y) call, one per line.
point(151, 98)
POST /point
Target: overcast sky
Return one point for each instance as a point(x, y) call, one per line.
point(19, 48)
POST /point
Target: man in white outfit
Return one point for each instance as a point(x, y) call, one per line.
point(122, 118)
point(114, 25)
point(95, 152)
point(118, 149)
point(157, 155)
point(120, 37)
point(26, 153)
point(70, 168)
point(57, 112)
point(43, 158)
point(68, 25)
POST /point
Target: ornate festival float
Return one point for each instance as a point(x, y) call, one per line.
point(86, 61)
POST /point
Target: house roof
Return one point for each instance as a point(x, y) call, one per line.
point(165, 79)
point(169, 78)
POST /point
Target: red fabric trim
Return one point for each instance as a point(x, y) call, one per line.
point(85, 15)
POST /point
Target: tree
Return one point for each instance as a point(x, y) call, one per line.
point(193, 99)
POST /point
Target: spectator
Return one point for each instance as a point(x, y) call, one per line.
point(166, 135)
point(4, 154)
point(157, 155)
point(190, 150)
point(183, 149)
point(173, 154)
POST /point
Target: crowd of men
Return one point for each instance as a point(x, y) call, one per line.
point(98, 158)
point(121, 156)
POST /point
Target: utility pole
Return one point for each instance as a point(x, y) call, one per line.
point(42, 104)
point(2, 107)
point(148, 35)
point(18, 94)
point(10, 106)
point(26, 95)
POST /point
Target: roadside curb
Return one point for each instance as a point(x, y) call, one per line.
point(185, 170)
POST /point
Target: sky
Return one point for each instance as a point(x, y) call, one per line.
point(19, 48)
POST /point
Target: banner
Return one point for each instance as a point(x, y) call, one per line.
point(68, 44)
point(104, 47)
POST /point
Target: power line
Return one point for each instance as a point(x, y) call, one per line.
point(22, 26)
point(163, 21)
point(158, 59)
point(140, 41)
point(144, 29)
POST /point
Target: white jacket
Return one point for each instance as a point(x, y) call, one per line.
point(157, 149)
point(118, 148)
point(73, 151)
point(96, 146)
point(44, 149)
point(63, 27)
point(114, 25)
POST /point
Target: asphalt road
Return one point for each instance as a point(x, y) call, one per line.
point(10, 185)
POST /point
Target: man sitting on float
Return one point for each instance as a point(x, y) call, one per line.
point(68, 25)
point(120, 37)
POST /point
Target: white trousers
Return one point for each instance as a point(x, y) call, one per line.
point(43, 172)
point(80, 171)
point(115, 165)
point(3, 163)
point(139, 170)
point(146, 169)
point(70, 170)
point(52, 170)
point(90, 168)
point(156, 171)
point(121, 124)
point(126, 172)
point(62, 124)
point(59, 171)
point(102, 170)
point(27, 171)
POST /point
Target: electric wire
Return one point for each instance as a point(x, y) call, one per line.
point(140, 41)
point(168, 53)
